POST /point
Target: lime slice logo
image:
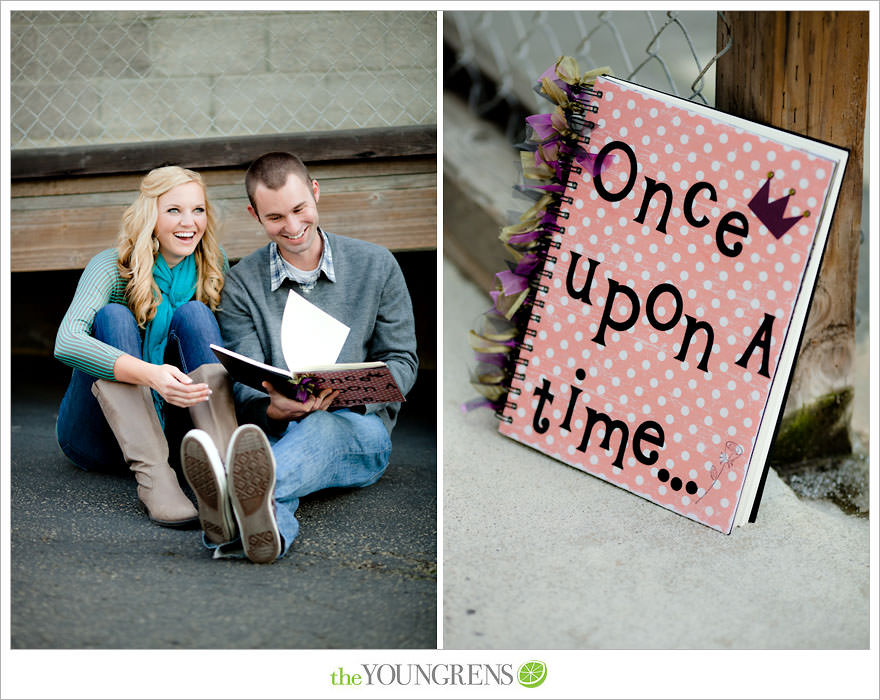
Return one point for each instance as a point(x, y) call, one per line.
point(532, 673)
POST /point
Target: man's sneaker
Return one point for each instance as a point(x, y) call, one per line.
point(206, 476)
point(250, 469)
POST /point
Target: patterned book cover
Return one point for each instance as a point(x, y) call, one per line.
point(671, 299)
point(358, 384)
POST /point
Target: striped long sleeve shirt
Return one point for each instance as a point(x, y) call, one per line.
point(99, 285)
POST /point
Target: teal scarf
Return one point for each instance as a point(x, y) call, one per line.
point(178, 286)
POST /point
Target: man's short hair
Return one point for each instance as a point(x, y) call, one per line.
point(272, 169)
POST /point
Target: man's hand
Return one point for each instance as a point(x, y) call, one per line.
point(282, 408)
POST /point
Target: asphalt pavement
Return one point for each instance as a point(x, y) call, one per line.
point(89, 571)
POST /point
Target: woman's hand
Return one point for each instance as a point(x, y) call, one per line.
point(282, 408)
point(172, 384)
point(176, 387)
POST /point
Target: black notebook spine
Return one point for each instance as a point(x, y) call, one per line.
point(528, 316)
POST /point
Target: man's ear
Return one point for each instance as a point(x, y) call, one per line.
point(316, 190)
point(253, 213)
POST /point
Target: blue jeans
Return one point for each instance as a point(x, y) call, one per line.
point(323, 450)
point(82, 431)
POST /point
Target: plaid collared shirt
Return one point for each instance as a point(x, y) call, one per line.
point(280, 270)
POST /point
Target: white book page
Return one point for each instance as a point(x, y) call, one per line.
point(309, 336)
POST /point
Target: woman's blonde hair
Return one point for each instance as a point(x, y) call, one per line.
point(138, 248)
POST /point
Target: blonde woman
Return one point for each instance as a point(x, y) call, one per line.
point(137, 336)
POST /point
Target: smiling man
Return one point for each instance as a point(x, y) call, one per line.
point(356, 282)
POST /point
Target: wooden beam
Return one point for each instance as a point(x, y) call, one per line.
point(807, 72)
point(223, 177)
point(352, 144)
point(480, 168)
point(61, 224)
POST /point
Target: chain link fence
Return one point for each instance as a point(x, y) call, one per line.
point(498, 56)
point(97, 77)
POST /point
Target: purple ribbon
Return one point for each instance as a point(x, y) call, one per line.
point(542, 125)
point(469, 406)
point(511, 282)
point(526, 265)
point(491, 358)
point(588, 161)
point(525, 237)
point(550, 74)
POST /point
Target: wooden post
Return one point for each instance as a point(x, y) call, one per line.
point(807, 72)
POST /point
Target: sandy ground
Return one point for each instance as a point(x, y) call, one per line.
point(538, 555)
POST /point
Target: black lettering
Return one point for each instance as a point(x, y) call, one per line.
point(652, 189)
point(633, 171)
point(614, 287)
point(666, 287)
point(725, 226)
point(761, 340)
point(693, 325)
point(642, 435)
point(575, 392)
point(593, 417)
point(689, 203)
point(584, 292)
point(541, 424)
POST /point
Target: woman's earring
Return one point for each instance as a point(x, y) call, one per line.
point(155, 245)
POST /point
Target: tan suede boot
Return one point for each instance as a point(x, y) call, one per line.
point(216, 416)
point(129, 411)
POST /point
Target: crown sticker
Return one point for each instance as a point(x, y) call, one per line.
point(772, 214)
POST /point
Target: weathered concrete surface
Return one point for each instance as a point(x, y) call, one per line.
point(539, 555)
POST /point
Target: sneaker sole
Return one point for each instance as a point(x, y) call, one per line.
point(200, 476)
point(251, 476)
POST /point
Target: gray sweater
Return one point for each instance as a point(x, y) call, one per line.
point(369, 296)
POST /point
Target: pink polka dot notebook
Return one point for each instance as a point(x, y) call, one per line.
point(672, 299)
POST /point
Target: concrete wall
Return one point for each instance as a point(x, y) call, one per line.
point(116, 77)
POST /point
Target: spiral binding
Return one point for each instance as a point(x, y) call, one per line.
point(529, 313)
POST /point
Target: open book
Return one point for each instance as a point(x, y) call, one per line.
point(667, 278)
point(359, 383)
